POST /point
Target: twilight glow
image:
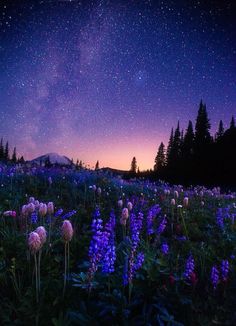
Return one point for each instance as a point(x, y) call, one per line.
point(106, 80)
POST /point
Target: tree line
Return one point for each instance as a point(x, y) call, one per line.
point(5, 155)
point(195, 156)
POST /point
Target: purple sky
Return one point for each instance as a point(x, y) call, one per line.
point(106, 80)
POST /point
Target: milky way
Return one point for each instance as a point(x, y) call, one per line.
point(108, 79)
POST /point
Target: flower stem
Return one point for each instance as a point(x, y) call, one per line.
point(39, 263)
point(64, 288)
point(36, 278)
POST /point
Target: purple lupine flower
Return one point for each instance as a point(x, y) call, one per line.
point(224, 269)
point(162, 226)
point(109, 259)
point(109, 255)
point(95, 248)
point(181, 238)
point(136, 222)
point(125, 272)
point(152, 213)
point(139, 261)
point(226, 212)
point(164, 248)
point(134, 264)
point(189, 267)
point(68, 215)
point(219, 218)
point(58, 213)
point(34, 218)
point(214, 276)
point(131, 266)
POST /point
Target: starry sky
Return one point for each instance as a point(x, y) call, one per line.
point(106, 80)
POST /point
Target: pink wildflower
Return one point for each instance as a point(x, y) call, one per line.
point(67, 231)
point(34, 242)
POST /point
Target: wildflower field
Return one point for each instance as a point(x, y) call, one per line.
point(86, 248)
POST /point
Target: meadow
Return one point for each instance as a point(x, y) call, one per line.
point(88, 248)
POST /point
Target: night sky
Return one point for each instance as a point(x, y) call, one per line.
point(106, 80)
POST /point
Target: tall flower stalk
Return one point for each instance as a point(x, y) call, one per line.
point(43, 237)
point(35, 244)
point(67, 234)
point(136, 222)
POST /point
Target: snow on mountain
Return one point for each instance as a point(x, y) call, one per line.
point(54, 159)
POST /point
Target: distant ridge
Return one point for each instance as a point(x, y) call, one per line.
point(54, 158)
point(114, 171)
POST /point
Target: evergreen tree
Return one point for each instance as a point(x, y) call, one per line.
point(6, 152)
point(14, 159)
point(133, 165)
point(220, 131)
point(160, 160)
point(176, 148)
point(1, 150)
point(97, 165)
point(22, 160)
point(188, 141)
point(181, 142)
point(232, 123)
point(169, 148)
point(202, 128)
point(80, 164)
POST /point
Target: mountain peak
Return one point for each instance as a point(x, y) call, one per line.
point(54, 158)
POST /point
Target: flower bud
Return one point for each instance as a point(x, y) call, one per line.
point(42, 209)
point(24, 210)
point(176, 194)
point(34, 242)
point(50, 208)
point(185, 202)
point(125, 213)
point(31, 200)
point(10, 213)
point(67, 231)
point(36, 203)
point(129, 206)
point(42, 234)
point(120, 203)
point(31, 207)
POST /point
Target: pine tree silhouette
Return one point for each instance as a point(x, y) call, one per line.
point(133, 165)
point(97, 165)
point(1, 150)
point(160, 160)
point(202, 128)
point(220, 131)
point(14, 158)
point(6, 152)
point(188, 142)
point(22, 160)
point(169, 148)
point(176, 148)
point(232, 123)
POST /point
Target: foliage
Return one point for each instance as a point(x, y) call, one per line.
point(164, 287)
